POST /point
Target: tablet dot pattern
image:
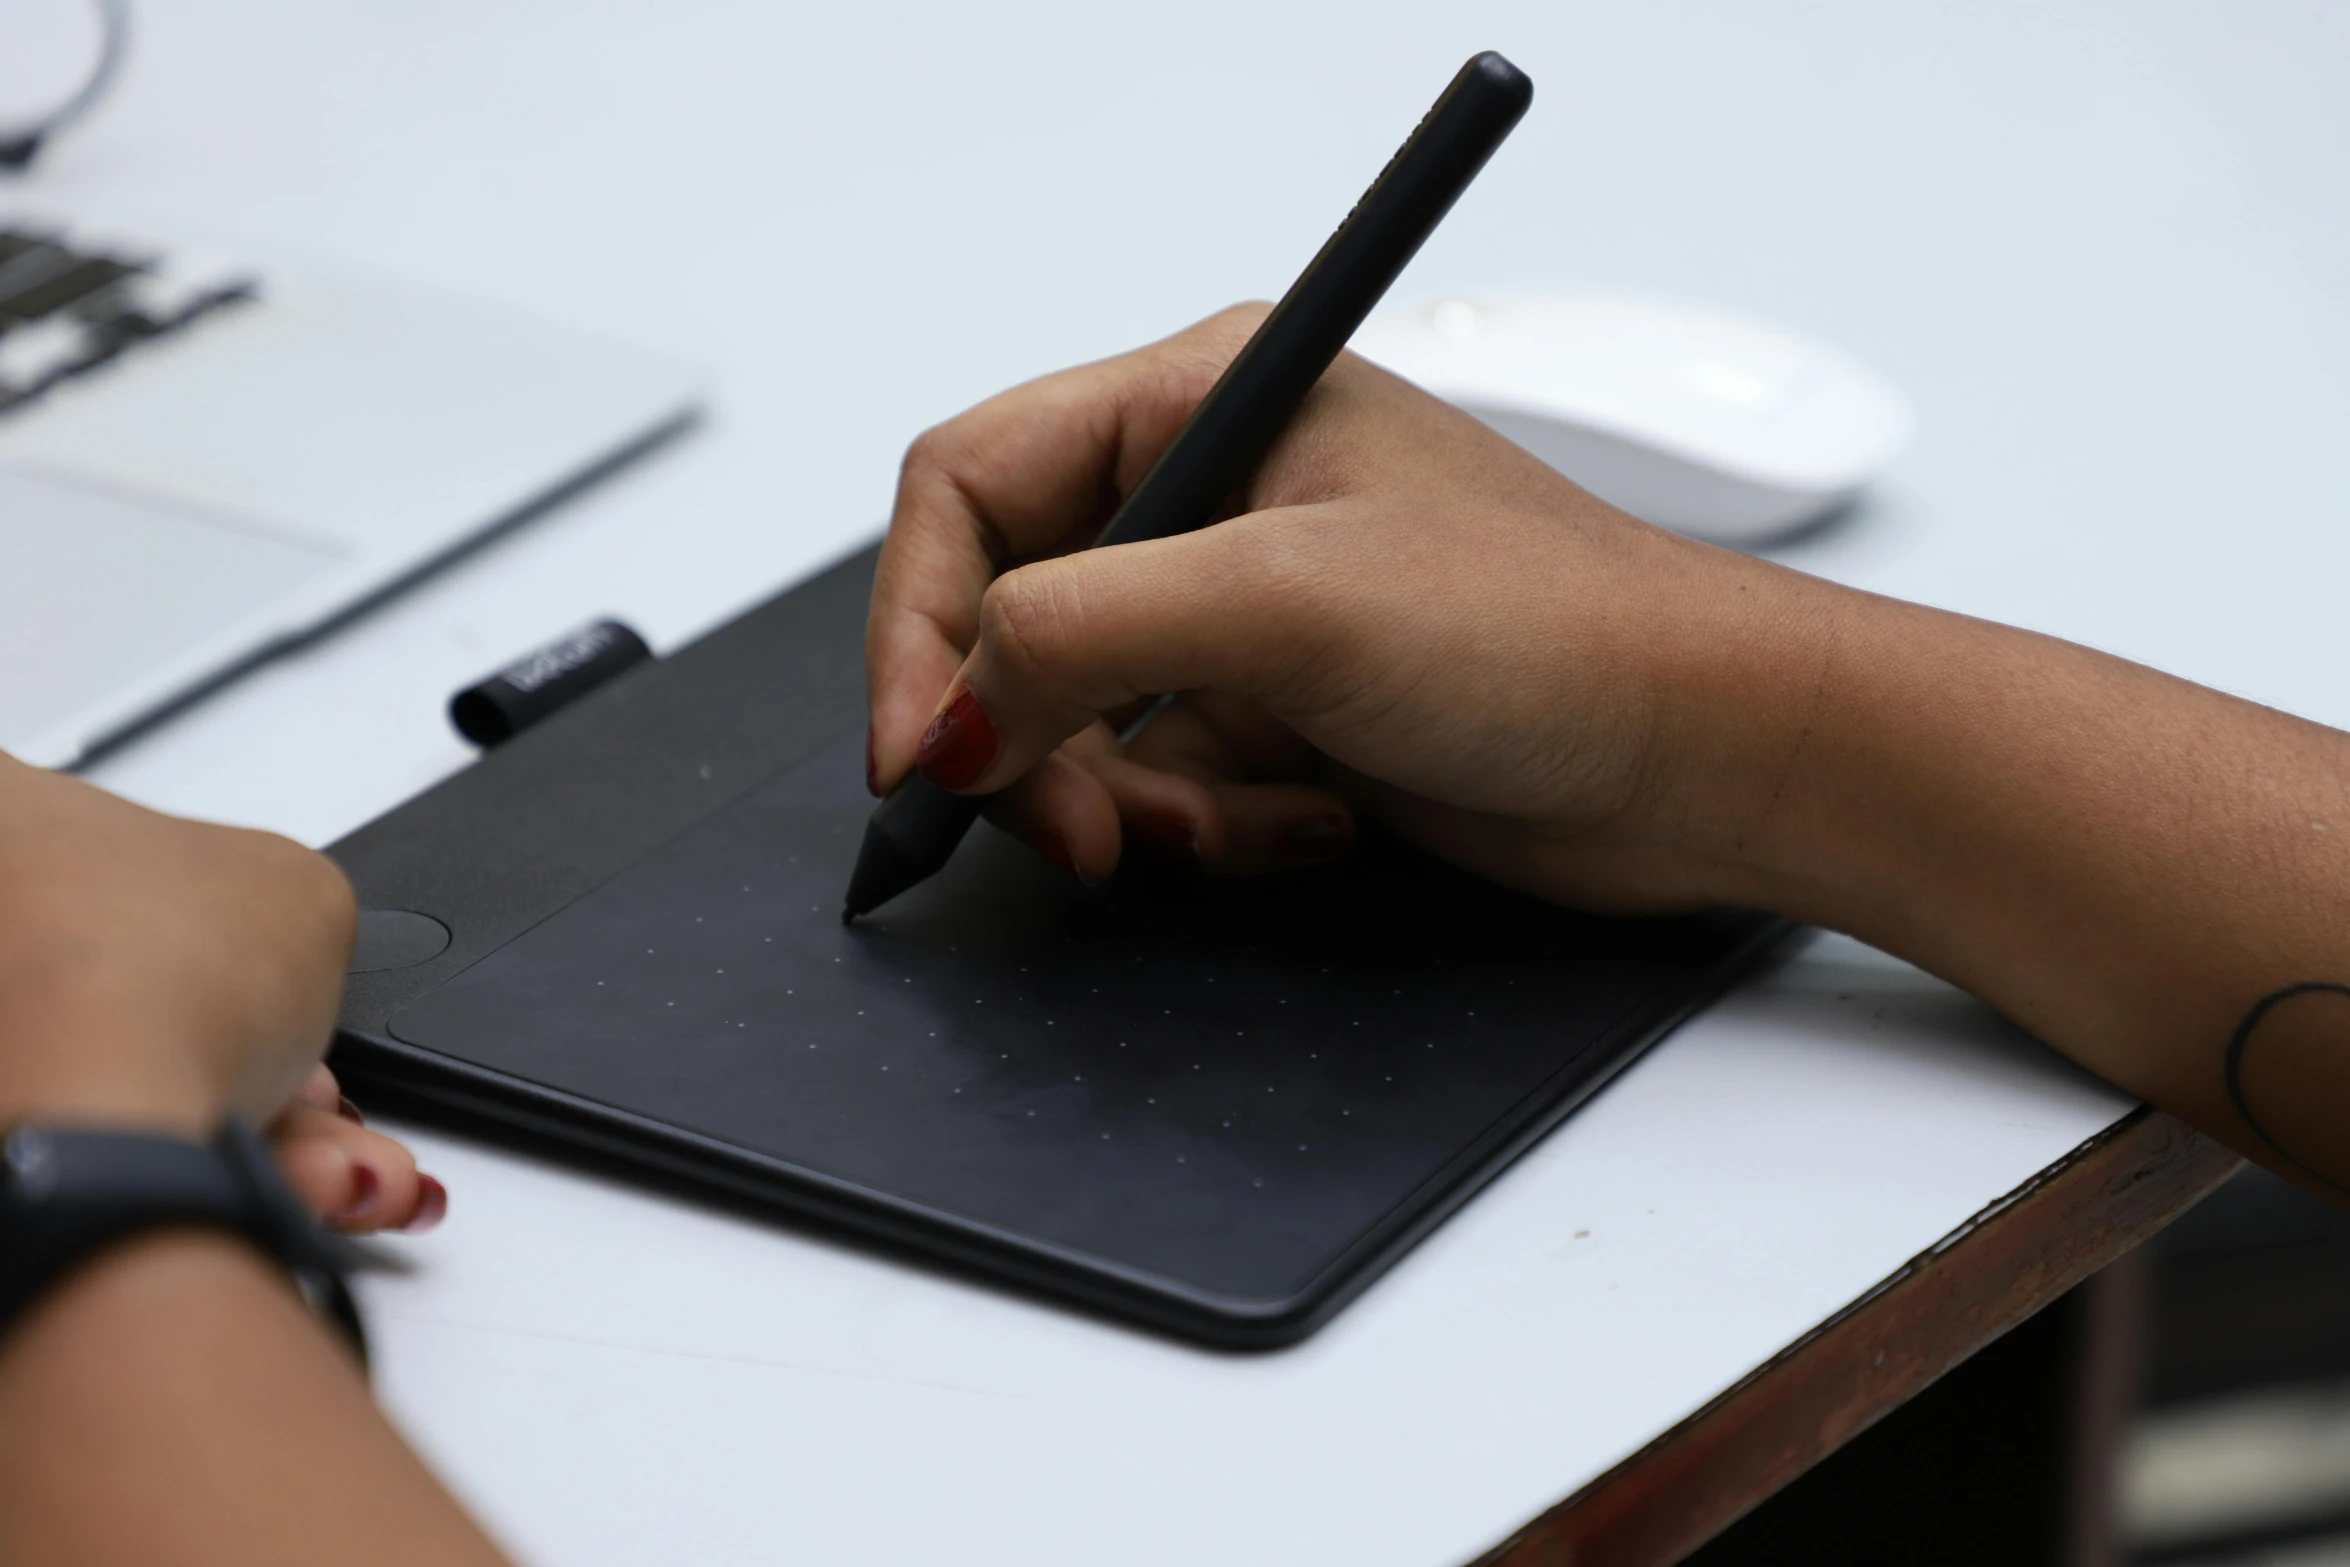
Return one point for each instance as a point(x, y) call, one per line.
point(1223, 1086)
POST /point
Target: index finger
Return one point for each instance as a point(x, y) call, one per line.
point(1029, 473)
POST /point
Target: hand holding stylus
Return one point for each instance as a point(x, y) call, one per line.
point(1415, 623)
point(1410, 616)
point(1228, 425)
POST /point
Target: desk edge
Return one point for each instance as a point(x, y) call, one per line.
point(2005, 1263)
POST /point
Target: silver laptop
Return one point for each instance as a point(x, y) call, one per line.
point(202, 463)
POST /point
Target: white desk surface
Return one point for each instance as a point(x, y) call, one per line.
point(2102, 247)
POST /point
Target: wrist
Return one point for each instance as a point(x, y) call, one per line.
point(131, 1104)
point(93, 1065)
point(1752, 697)
point(69, 1194)
point(1855, 773)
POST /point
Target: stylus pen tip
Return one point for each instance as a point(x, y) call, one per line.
point(848, 916)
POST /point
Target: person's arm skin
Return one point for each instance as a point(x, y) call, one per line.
point(174, 1400)
point(1415, 621)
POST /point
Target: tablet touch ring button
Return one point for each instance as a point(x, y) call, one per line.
point(396, 938)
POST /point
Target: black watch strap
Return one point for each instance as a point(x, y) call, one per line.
point(68, 1192)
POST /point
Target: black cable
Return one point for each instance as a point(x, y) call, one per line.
point(20, 144)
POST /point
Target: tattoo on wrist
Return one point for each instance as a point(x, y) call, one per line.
point(2240, 1047)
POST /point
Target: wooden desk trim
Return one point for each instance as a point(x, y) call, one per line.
point(1998, 1268)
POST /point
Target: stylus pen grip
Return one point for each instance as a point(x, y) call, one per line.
point(1262, 389)
point(915, 831)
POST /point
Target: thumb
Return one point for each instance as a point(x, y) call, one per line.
point(1064, 641)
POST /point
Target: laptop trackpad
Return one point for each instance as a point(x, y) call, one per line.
point(100, 593)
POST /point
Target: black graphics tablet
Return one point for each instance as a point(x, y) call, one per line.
point(1216, 1108)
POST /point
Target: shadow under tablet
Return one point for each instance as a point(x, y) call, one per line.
point(1212, 1105)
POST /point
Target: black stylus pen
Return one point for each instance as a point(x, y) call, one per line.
point(914, 832)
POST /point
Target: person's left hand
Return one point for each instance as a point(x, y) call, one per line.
point(161, 973)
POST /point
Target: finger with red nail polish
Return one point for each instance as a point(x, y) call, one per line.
point(1052, 846)
point(432, 1206)
point(352, 1178)
point(959, 743)
point(1276, 827)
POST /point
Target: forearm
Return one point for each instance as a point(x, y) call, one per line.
point(2124, 863)
point(174, 1401)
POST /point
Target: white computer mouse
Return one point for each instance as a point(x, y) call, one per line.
point(1695, 419)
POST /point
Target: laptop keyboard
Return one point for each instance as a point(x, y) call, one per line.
point(67, 307)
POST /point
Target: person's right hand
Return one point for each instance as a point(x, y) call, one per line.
point(1410, 616)
point(158, 973)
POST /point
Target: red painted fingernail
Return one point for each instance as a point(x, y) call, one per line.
point(1314, 840)
point(959, 743)
point(1055, 848)
point(872, 768)
point(1169, 834)
point(364, 1186)
point(432, 1206)
point(349, 1111)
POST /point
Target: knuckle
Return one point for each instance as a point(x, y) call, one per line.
point(1209, 345)
point(1242, 317)
point(311, 884)
point(926, 450)
point(1024, 621)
